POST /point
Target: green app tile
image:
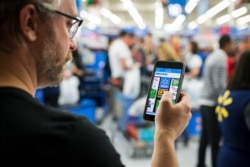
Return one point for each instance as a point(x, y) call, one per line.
point(157, 104)
point(175, 82)
point(152, 93)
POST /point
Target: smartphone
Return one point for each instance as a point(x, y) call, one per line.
point(166, 76)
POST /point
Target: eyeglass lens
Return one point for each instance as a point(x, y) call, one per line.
point(74, 28)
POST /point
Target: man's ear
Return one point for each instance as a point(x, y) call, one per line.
point(28, 20)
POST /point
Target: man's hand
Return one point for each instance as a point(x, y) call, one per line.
point(173, 118)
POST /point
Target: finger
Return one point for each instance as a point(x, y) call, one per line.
point(184, 101)
point(184, 97)
point(167, 97)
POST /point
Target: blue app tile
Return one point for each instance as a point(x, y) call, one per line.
point(165, 82)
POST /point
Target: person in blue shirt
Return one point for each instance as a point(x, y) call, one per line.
point(233, 113)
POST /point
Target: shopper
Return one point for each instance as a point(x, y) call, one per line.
point(214, 81)
point(233, 113)
point(193, 61)
point(120, 58)
point(36, 37)
point(192, 83)
point(166, 51)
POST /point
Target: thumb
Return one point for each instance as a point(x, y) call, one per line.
point(167, 99)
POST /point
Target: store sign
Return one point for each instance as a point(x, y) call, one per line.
point(176, 8)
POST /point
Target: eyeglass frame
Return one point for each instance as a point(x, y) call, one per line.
point(78, 20)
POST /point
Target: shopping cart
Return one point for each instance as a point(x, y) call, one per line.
point(138, 132)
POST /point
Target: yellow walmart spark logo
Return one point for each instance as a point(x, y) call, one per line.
point(223, 101)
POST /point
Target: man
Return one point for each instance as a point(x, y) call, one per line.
point(36, 37)
point(215, 80)
point(120, 58)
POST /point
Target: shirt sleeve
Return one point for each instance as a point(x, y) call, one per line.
point(218, 78)
point(196, 61)
point(247, 115)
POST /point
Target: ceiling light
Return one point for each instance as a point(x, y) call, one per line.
point(236, 13)
point(191, 4)
point(170, 28)
point(109, 15)
point(179, 20)
point(223, 19)
point(134, 13)
point(202, 19)
point(192, 25)
point(91, 18)
point(243, 20)
point(239, 12)
point(158, 15)
point(217, 8)
point(213, 11)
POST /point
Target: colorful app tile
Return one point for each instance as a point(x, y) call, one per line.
point(157, 104)
point(165, 82)
point(155, 83)
point(150, 105)
point(160, 92)
point(175, 82)
point(152, 93)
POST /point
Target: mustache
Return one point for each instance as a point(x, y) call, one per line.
point(69, 57)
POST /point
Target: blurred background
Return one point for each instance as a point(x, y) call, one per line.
point(88, 88)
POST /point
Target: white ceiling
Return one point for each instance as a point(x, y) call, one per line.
point(146, 8)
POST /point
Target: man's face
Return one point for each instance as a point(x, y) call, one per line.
point(128, 40)
point(229, 48)
point(52, 61)
point(55, 47)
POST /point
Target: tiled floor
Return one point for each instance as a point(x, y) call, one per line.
point(186, 155)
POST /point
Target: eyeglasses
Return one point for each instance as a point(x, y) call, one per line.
point(76, 23)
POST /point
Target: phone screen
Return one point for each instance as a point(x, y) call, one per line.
point(163, 79)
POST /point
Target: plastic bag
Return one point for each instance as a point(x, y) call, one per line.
point(193, 87)
point(132, 82)
point(69, 93)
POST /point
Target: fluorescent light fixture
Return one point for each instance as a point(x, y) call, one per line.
point(158, 15)
point(127, 3)
point(170, 28)
point(134, 13)
point(179, 20)
point(223, 19)
point(239, 12)
point(243, 20)
point(202, 19)
point(111, 16)
point(105, 12)
point(90, 17)
point(191, 4)
point(217, 8)
point(192, 25)
point(176, 25)
point(236, 13)
point(213, 11)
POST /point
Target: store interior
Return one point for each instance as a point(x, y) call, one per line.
point(176, 21)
